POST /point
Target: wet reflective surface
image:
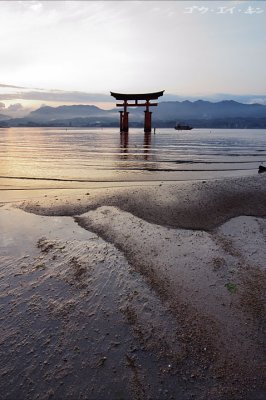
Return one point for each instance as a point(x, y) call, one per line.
point(54, 156)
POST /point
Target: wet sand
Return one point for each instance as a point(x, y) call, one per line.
point(135, 293)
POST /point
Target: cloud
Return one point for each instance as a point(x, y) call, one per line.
point(14, 110)
point(57, 96)
point(80, 97)
point(35, 5)
point(11, 86)
point(15, 107)
point(259, 100)
point(131, 45)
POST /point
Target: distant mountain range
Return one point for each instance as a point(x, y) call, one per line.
point(223, 114)
point(3, 117)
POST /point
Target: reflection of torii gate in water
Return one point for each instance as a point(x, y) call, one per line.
point(136, 97)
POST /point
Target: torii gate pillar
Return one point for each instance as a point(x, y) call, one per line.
point(121, 120)
point(147, 120)
point(124, 121)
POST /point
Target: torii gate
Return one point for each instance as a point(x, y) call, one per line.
point(136, 97)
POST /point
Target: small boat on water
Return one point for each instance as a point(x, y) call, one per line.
point(180, 127)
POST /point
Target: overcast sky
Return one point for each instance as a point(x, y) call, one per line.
point(185, 47)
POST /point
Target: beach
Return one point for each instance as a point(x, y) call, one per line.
point(135, 292)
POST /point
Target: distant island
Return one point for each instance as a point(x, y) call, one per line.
point(199, 114)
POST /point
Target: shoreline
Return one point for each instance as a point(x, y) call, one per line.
point(136, 293)
point(202, 205)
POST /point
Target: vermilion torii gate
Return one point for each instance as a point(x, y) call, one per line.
point(136, 97)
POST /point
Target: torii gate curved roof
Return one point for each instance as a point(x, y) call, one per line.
point(137, 96)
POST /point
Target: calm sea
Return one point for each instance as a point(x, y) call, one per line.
point(56, 157)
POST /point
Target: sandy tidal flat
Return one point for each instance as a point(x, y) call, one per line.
point(105, 303)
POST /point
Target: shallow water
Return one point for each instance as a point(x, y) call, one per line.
point(59, 157)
